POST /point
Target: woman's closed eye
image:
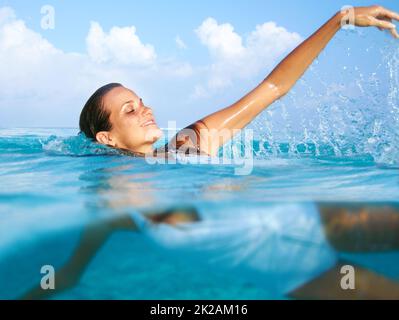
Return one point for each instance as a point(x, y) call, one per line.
point(134, 108)
point(131, 109)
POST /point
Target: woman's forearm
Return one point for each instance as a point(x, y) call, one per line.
point(289, 71)
point(278, 83)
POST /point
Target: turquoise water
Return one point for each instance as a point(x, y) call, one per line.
point(55, 183)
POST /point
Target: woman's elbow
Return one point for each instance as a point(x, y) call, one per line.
point(276, 91)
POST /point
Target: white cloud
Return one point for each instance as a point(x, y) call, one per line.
point(16, 38)
point(6, 14)
point(269, 41)
point(41, 85)
point(180, 43)
point(221, 40)
point(26, 57)
point(120, 45)
point(236, 58)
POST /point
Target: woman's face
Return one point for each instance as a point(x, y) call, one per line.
point(133, 124)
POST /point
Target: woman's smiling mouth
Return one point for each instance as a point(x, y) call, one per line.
point(148, 123)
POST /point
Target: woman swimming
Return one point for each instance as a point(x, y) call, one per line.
point(117, 117)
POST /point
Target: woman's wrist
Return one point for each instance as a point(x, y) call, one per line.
point(342, 17)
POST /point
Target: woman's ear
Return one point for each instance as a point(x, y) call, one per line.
point(104, 137)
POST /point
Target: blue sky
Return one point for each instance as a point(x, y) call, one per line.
point(180, 70)
point(160, 21)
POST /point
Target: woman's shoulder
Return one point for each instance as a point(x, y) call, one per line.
point(187, 141)
point(179, 148)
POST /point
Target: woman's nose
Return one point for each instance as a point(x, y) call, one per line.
point(147, 110)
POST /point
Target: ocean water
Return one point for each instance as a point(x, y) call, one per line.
point(55, 184)
point(259, 235)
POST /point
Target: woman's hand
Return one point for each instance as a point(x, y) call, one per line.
point(375, 16)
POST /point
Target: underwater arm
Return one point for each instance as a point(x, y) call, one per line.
point(358, 228)
point(92, 240)
point(279, 82)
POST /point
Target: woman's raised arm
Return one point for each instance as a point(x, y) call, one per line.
point(282, 78)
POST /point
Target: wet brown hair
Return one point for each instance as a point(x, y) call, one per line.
point(94, 117)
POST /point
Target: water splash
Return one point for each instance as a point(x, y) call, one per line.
point(74, 146)
point(355, 113)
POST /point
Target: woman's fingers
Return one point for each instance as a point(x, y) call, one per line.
point(389, 14)
point(385, 19)
point(395, 33)
point(382, 23)
point(379, 17)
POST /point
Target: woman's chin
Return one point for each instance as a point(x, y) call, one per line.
point(154, 134)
